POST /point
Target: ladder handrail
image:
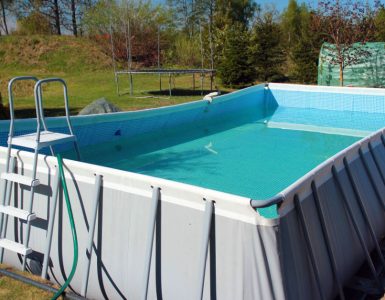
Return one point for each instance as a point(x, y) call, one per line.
point(10, 96)
point(39, 99)
point(11, 107)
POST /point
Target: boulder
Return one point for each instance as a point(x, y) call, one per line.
point(99, 106)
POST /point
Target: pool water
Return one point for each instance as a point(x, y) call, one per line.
point(247, 159)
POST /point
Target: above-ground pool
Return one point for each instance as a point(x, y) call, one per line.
point(287, 182)
point(246, 158)
point(253, 151)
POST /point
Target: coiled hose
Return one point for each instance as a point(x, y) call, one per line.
point(73, 229)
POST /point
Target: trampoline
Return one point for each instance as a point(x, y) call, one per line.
point(171, 73)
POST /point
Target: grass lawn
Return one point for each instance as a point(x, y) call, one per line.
point(11, 289)
point(86, 87)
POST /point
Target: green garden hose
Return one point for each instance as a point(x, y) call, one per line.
point(73, 229)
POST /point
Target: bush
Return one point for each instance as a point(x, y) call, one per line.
point(235, 66)
point(35, 23)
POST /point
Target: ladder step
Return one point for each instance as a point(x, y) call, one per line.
point(17, 212)
point(25, 180)
point(47, 138)
point(15, 247)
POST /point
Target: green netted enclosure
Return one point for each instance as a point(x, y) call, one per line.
point(367, 71)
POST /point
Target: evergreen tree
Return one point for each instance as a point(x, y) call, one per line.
point(236, 67)
point(267, 48)
point(291, 24)
point(305, 51)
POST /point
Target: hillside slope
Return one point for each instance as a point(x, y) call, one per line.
point(51, 54)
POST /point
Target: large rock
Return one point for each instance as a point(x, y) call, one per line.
point(99, 106)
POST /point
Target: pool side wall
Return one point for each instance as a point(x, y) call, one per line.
point(243, 261)
point(299, 274)
point(95, 129)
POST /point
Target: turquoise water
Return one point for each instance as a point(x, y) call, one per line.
point(247, 159)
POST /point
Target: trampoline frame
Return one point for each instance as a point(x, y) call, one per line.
point(171, 77)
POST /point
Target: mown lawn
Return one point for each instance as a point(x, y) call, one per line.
point(86, 87)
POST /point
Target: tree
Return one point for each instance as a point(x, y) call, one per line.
point(291, 24)
point(305, 47)
point(4, 6)
point(73, 14)
point(347, 25)
point(236, 67)
point(143, 20)
point(379, 22)
point(50, 9)
point(267, 47)
point(34, 23)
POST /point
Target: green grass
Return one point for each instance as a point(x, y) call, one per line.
point(16, 290)
point(86, 87)
point(88, 74)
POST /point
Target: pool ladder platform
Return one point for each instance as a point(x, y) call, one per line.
point(42, 138)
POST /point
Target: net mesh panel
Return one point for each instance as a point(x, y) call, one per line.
point(368, 72)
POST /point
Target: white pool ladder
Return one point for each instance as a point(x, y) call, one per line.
point(35, 141)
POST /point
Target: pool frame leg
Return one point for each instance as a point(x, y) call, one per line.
point(51, 223)
point(209, 208)
point(363, 210)
point(88, 256)
point(371, 177)
point(309, 246)
point(356, 228)
point(328, 242)
point(150, 240)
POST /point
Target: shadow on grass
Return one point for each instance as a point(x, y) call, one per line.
point(182, 92)
point(31, 113)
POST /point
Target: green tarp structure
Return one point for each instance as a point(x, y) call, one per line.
point(369, 71)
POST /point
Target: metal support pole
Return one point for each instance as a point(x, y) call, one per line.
point(309, 246)
point(131, 85)
point(371, 177)
point(202, 77)
point(363, 210)
point(193, 81)
point(87, 257)
point(117, 83)
point(328, 241)
point(160, 76)
point(169, 83)
point(31, 197)
point(6, 201)
point(150, 240)
point(51, 223)
point(376, 161)
point(205, 245)
point(357, 229)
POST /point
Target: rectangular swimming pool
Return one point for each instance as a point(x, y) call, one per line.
point(250, 160)
point(255, 152)
point(272, 178)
